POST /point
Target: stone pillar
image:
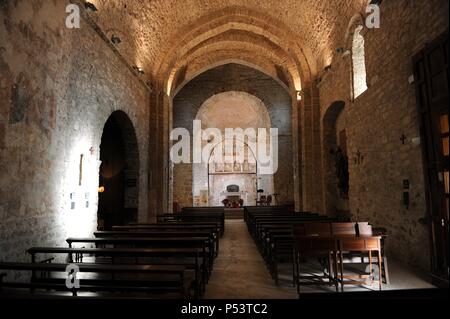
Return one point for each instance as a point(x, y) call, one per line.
point(311, 154)
point(153, 151)
point(317, 186)
point(296, 147)
point(306, 148)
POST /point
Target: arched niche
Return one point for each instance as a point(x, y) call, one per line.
point(119, 172)
point(231, 110)
point(335, 160)
point(277, 101)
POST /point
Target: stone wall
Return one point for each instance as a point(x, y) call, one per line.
point(58, 87)
point(377, 119)
point(237, 78)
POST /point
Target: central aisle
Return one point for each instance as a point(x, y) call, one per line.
point(239, 270)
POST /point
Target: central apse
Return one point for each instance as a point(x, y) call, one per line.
point(210, 180)
point(233, 96)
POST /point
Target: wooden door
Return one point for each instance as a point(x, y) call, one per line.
point(432, 86)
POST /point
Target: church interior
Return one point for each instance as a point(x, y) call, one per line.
point(205, 149)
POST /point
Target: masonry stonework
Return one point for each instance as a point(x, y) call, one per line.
point(378, 118)
point(53, 109)
point(59, 86)
point(236, 78)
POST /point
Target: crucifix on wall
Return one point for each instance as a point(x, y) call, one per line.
point(359, 157)
point(403, 139)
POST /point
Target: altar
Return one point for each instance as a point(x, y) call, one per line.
point(234, 195)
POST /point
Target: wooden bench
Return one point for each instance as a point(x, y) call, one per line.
point(144, 231)
point(195, 217)
point(206, 263)
point(211, 243)
point(132, 253)
point(172, 225)
point(162, 288)
point(271, 229)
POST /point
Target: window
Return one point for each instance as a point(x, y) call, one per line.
point(359, 63)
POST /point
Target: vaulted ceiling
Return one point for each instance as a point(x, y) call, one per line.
point(175, 40)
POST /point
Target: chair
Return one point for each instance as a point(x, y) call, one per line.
point(314, 240)
point(364, 229)
point(366, 245)
point(313, 246)
point(262, 201)
point(269, 200)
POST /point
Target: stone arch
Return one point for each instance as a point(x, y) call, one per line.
point(237, 78)
point(302, 65)
point(119, 154)
point(355, 21)
point(245, 111)
point(249, 187)
point(225, 62)
point(333, 125)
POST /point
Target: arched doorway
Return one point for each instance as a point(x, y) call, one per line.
point(119, 173)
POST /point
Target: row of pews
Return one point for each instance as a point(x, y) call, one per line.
point(271, 229)
point(285, 237)
point(170, 259)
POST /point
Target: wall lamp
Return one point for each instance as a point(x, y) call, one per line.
point(139, 70)
point(115, 39)
point(90, 6)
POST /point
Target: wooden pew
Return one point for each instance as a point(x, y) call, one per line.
point(167, 288)
point(131, 253)
point(271, 229)
point(146, 242)
point(165, 231)
point(195, 217)
point(212, 243)
point(172, 225)
point(203, 209)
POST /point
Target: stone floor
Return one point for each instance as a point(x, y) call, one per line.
point(239, 270)
point(240, 273)
point(234, 213)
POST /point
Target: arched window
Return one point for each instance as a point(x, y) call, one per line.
point(359, 63)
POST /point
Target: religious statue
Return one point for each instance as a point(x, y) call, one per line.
point(341, 162)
